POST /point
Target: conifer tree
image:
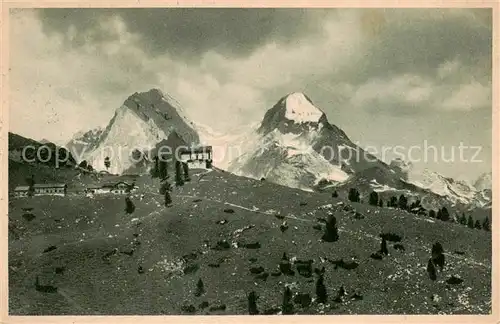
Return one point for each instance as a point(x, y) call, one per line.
point(373, 199)
point(403, 202)
point(380, 203)
point(431, 270)
point(321, 293)
point(287, 306)
point(200, 288)
point(445, 216)
point(486, 224)
point(252, 303)
point(185, 168)
point(432, 213)
point(331, 232)
point(470, 222)
point(335, 194)
point(179, 180)
point(477, 224)
point(383, 247)
point(129, 206)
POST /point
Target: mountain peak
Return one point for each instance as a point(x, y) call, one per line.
point(300, 109)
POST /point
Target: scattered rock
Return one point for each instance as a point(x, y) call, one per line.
point(29, 217)
point(221, 222)
point(459, 252)
point(222, 245)
point(253, 260)
point(197, 200)
point(280, 217)
point(255, 245)
point(399, 247)
point(453, 280)
point(188, 309)
point(229, 210)
point(377, 256)
point(191, 268)
point(256, 270)
point(302, 299)
point(59, 270)
point(357, 296)
point(318, 227)
point(303, 203)
point(190, 257)
point(220, 307)
point(262, 276)
point(304, 268)
point(391, 237)
point(272, 311)
point(276, 273)
point(50, 248)
point(283, 226)
point(140, 270)
point(203, 305)
point(128, 252)
point(344, 265)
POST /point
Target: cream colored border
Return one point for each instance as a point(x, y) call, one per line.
point(4, 118)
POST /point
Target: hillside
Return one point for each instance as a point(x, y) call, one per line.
point(104, 261)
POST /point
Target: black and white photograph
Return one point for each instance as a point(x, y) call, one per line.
point(205, 161)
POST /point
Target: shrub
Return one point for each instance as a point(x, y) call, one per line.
point(335, 194)
point(432, 213)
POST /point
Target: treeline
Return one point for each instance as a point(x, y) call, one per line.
point(415, 207)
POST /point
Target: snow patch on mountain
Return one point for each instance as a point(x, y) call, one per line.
point(300, 110)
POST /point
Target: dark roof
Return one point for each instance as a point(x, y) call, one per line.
point(113, 184)
point(198, 149)
point(49, 185)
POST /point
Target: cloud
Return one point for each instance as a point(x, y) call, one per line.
point(227, 72)
point(187, 33)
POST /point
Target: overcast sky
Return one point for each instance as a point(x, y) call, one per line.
point(386, 77)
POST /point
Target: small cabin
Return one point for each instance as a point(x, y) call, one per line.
point(197, 157)
point(116, 188)
point(21, 191)
point(51, 189)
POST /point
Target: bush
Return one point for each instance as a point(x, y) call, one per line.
point(200, 288)
point(432, 213)
point(383, 247)
point(380, 203)
point(335, 194)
